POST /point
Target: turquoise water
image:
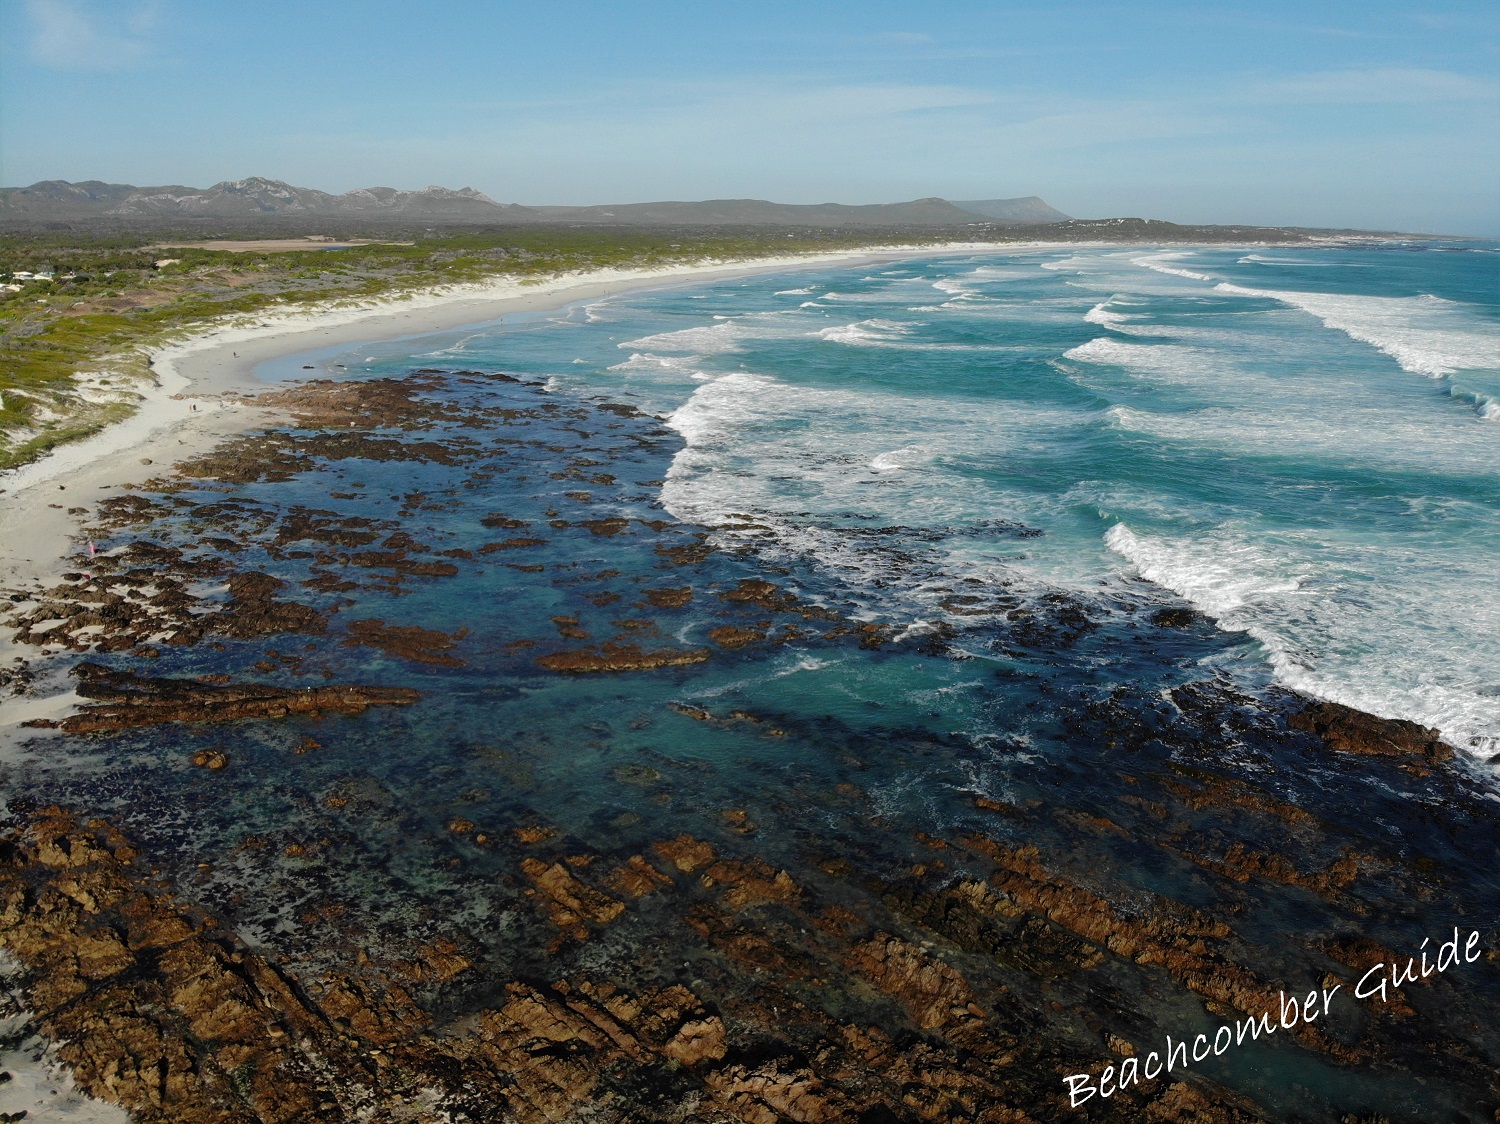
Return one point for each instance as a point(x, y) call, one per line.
point(1303, 442)
point(1013, 462)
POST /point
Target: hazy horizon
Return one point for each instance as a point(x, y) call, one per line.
point(1384, 117)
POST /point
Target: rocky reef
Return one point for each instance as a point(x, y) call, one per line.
point(125, 700)
point(636, 825)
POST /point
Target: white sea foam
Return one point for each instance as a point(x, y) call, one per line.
point(1075, 262)
point(1332, 632)
point(1114, 314)
point(1392, 622)
point(1107, 316)
point(1301, 263)
point(890, 333)
point(1426, 335)
point(767, 448)
point(707, 339)
point(897, 459)
point(1170, 362)
point(648, 362)
point(795, 292)
point(1222, 582)
point(867, 332)
point(1238, 408)
point(1004, 273)
point(1162, 263)
point(1481, 389)
point(455, 349)
point(710, 416)
point(1347, 433)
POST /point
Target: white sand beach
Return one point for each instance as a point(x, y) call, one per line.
point(205, 386)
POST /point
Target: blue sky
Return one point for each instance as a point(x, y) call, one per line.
point(1370, 113)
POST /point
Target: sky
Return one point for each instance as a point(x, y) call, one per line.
point(1364, 113)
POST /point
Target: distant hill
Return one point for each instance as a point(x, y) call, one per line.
point(1029, 208)
point(257, 198)
point(259, 207)
point(760, 212)
point(248, 198)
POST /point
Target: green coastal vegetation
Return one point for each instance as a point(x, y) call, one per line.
point(79, 312)
point(84, 298)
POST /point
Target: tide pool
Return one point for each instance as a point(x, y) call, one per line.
point(822, 647)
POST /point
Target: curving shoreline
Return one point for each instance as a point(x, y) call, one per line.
point(221, 357)
point(946, 973)
point(206, 382)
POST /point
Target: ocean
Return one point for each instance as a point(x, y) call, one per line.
point(910, 650)
point(1304, 443)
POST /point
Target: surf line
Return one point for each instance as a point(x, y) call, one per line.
point(1293, 1012)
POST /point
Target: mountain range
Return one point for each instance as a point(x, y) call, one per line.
point(258, 198)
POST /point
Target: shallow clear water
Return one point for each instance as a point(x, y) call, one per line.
point(1303, 442)
point(1013, 461)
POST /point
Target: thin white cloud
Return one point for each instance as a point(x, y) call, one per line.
point(1383, 86)
point(83, 35)
point(758, 100)
point(905, 38)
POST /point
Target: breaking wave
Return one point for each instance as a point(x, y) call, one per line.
point(1426, 335)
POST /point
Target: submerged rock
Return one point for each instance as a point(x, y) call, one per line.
point(669, 598)
point(410, 642)
point(1175, 618)
point(253, 610)
point(621, 657)
point(128, 700)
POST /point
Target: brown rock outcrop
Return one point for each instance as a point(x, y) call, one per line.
point(1169, 935)
point(570, 904)
point(1347, 730)
point(731, 637)
point(161, 1011)
point(936, 994)
point(154, 1011)
point(749, 883)
point(767, 1095)
point(1242, 863)
point(253, 610)
point(636, 878)
point(511, 544)
point(607, 527)
point(410, 642)
point(685, 853)
point(752, 591)
point(128, 700)
point(669, 598)
point(698, 1040)
point(612, 656)
point(503, 522)
point(689, 554)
